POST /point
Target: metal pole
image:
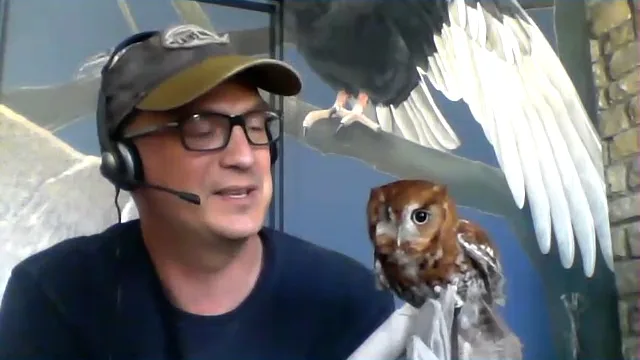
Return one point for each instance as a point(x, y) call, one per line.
point(4, 20)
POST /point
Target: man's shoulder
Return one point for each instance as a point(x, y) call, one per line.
point(69, 290)
point(303, 255)
point(75, 256)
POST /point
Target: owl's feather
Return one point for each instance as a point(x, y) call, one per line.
point(478, 248)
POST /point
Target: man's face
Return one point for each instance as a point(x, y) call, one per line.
point(219, 177)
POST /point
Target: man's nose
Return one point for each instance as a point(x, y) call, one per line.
point(238, 153)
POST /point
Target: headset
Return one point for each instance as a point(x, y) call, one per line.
point(120, 161)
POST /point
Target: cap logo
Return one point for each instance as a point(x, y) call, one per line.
point(189, 36)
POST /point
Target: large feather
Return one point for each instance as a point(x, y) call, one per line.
point(492, 55)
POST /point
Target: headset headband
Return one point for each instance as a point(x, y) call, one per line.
point(104, 139)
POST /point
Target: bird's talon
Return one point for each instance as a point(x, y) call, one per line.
point(347, 117)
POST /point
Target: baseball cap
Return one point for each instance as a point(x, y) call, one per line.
point(173, 67)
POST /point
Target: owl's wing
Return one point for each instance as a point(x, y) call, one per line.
point(486, 259)
point(493, 56)
point(497, 341)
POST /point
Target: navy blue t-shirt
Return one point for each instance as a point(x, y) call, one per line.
point(98, 297)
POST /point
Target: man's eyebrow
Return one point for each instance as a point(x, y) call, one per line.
point(258, 106)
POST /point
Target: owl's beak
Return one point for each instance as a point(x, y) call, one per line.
point(401, 239)
point(402, 236)
point(406, 234)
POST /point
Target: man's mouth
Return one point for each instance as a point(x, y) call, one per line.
point(235, 192)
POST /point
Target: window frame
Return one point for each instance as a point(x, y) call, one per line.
point(4, 24)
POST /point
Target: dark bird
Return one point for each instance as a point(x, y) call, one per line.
point(491, 55)
point(422, 247)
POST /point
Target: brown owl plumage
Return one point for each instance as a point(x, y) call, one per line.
point(421, 246)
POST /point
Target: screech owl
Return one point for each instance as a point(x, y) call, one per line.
point(421, 246)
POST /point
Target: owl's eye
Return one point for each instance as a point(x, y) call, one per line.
point(420, 216)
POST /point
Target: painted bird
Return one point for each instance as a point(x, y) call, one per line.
point(491, 55)
point(421, 247)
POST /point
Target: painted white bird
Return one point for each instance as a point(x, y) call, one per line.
point(52, 192)
point(491, 55)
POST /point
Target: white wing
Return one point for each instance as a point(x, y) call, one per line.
point(492, 55)
point(48, 192)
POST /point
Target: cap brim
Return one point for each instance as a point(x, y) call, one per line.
point(270, 75)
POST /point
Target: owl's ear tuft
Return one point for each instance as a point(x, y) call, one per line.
point(441, 189)
point(377, 194)
point(376, 198)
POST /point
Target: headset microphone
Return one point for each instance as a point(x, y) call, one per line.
point(186, 196)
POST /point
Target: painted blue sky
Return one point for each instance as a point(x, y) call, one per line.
point(324, 195)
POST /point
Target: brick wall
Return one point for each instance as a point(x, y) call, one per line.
point(615, 58)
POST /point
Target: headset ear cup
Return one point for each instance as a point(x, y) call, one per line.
point(132, 170)
point(109, 167)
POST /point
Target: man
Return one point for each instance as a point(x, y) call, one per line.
point(197, 276)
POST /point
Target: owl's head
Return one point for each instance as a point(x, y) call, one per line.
point(410, 214)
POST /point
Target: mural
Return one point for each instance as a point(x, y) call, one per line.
point(414, 112)
point(566, 308)
point(497, 61)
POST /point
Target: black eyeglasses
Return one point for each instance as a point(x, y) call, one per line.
point(207, 131)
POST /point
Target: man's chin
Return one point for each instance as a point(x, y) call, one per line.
point(236, 227)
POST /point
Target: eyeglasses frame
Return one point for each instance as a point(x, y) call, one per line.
point(234, 120)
